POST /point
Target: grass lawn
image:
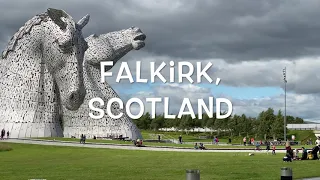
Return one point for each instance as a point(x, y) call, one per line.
point(73, 163)
point(164, 144)
point(302, 135)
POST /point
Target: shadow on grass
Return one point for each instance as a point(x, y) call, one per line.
point(4, 147)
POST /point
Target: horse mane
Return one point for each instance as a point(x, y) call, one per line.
point(36, 20)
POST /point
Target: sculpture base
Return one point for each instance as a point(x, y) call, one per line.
point(34, 130)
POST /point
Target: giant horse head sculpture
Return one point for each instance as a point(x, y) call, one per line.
point(53, 38)
point(42, 69)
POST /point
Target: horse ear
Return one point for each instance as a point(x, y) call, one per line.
point(56, 15)
point(83, 21)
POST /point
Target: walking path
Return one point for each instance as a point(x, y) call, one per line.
point(125, 146)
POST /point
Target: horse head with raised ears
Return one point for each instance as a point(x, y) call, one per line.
point(63, 52)
point(113, 45)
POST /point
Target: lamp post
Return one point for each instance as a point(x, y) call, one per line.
point(285, 104)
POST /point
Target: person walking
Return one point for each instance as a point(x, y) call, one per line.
point(252, 141)
point(304, 154)
point(3, 132)
point(8, 134)
point(81, 139)
point(274, 149)
point(180, 139)
point(268, 146)
point(244, 141)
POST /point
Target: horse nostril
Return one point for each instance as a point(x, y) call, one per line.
point(73, 96)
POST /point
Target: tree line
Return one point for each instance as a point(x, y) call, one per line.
point(268, 124)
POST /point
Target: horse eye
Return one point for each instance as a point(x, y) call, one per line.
point(66, 46)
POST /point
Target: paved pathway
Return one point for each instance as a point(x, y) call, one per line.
point(126, 146)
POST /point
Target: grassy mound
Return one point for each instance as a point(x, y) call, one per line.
point(5, 147)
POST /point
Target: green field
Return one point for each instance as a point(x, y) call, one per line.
point(53, 162)
point(155, 144)
point(302, 136)
point(192, 137)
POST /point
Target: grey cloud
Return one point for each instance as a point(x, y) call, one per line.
point(231, 30)
point(218, 31)
point(302, 74)
point(304, 106)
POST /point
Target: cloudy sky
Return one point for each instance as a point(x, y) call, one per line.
point(248, 42)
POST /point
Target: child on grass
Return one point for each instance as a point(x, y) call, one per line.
point(274, 150)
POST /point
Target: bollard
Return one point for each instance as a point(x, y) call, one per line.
point(193, 174)
point(286, 173)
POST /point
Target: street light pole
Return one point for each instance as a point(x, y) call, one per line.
point(285, 104)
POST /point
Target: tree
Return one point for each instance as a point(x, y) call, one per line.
point(177, 122)
point(169, 123)
point(219, 125)
point(143, 122)
point(211, 123)
point(183, 123)
point(277, 126)
point(157, 123)
point(267, 123)
point(233, 125)
point(205, 119)
point(266, 120)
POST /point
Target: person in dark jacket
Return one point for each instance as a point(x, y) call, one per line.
point(81, 138)
point(289, 150)
point(3, 132)
point(287, 158)
point(314, 152)
point(304, 154)
point(180, 139)
point(84, 139)
point(268, 146)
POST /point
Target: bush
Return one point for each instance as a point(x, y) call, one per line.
point(5, 147)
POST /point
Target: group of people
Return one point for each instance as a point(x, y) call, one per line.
point(251, 141)
point(306, 155)
point(268, 144)
point(3, 133)
point(201, 146)
point(215, 140)
point(138, 142)
point(83, 139)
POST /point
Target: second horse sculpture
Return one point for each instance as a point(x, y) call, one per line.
point(105, 47)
